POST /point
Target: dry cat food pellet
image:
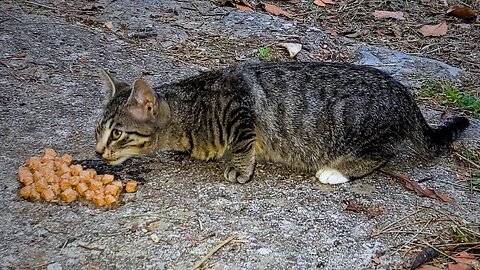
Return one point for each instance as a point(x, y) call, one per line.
point(131, 186)
point(53, 178)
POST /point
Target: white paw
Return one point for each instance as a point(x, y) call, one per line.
point(331, 176)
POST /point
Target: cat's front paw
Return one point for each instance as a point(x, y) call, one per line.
point(331, 177)
point(234, 176)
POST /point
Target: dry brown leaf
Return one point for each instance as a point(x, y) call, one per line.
point(371, 211)
point(292, 48)
point(108, 25)
point(427, 267)
point(414, 186)
point(460, 266)
point(443, 197)
point(462, 12)
point(467, 259)
point(246, 3)
point(322, 3)
point(83, 59)
point(465, 255)
point(331, 32)
point(20, 54)
point(92, 7)
point(388, 14)
point(242, 7)
point(436, 30)
point(353, 206)
point(376, 260)
point(276, 10)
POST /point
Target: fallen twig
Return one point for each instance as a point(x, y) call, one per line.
point(416, 235)
point(39, 5)
point(457, 245)
point(467, 160)
point(467, 188)
point(439, 251)
point(12, 17)
point(215, 249)
point(395, 222)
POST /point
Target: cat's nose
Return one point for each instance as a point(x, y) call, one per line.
point(99, 150)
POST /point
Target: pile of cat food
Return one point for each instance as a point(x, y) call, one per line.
point(54, 178)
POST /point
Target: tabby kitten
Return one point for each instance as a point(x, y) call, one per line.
point(341, 121)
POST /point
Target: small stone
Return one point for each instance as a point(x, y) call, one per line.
point(154, 237)
point(54, 266)
point(264, 251)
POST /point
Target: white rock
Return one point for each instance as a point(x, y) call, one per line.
point(264, 251)
point(293, 48)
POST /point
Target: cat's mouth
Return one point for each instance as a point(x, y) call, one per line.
point(117, 161)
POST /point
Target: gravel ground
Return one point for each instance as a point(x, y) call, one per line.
point(51, 96)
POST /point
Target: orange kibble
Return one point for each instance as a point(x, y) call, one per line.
point(25, 176)
point(37, 175)
point(65, 184)
point(118, 183)
point(68, 195)
point(66, 177)
point(95, 185)
point(92, 172)
point(63, 169)
point(41, 184)
point(57, 164)
point(99, 200)
point(112, 190)
point(46, 170)
point(49, 153)
point(81, 188)
point(26, 192)
point(76, 169)
point(84, 176)
point(49, 164)
point(74, 180)
point(107, 178)
point(23, 170)
point(88, 195)
point(131, 186)
point(110, 199)
point(67, 159)
point(51, 178)
point(48, 195)
point(98, 178)
point(34, 195)
point(55, 187)
point(33, 163)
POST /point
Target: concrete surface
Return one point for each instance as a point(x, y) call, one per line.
point(51, 96)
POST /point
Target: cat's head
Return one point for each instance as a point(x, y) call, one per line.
point(131, 120)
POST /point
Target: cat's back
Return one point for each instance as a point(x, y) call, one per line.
point(329, 78)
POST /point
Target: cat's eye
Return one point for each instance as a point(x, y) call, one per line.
point(116, 134)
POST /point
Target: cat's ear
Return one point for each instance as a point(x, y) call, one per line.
point(143, 101)
point(111, 85)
